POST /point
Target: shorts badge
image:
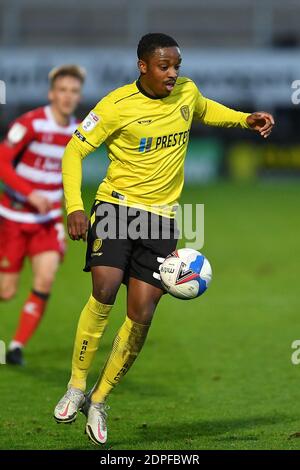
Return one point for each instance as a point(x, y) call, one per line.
point(97, 244)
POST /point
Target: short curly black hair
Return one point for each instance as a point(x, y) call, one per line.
point(152, 41)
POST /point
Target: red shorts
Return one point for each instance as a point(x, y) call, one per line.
point(18, 240)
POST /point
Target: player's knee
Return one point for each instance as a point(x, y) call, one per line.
point(141, 308)
point(106, 294)
point(106, 283)
point(143, 316)
point(7, 292)
point(43, 282)
point(106, 291)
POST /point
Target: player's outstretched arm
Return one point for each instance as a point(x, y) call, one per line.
point(212, 113)
point(261, 122)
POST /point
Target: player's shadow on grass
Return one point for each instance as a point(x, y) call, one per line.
point(188, 432)
point(59, 369)
point(58, 374)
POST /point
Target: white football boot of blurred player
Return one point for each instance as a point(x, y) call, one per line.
point(68, 406)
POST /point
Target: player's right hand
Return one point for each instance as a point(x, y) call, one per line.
point(39, 202)
point(77, 225)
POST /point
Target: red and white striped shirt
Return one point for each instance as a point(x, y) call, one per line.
point(30, 159)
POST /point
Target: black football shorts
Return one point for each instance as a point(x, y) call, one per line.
point(130, 239)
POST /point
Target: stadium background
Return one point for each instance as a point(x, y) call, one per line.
point(219, 375)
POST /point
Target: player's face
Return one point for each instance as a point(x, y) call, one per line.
point(65, 94)
point(160, 70)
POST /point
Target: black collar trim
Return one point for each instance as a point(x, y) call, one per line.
point(141, 89)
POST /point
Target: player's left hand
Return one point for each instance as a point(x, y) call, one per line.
point(77, 223)
point(261, 122)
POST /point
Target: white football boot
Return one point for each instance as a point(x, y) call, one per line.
point(96, 428)
point(68, 406)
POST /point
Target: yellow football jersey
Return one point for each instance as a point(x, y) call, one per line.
point(146, 140)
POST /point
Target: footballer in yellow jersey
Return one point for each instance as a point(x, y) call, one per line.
point(146, 128)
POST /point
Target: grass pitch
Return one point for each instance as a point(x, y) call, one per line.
point(215, 373)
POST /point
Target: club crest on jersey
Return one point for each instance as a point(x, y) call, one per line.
point(90, 122)
point(16, 133)
point(185, 112)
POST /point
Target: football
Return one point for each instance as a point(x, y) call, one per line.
point(186, 273)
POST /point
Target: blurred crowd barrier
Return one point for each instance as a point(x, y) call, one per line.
point(236, 77)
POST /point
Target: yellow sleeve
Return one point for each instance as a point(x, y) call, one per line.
point(215, 114)
point(74, 153)
point(101, 122)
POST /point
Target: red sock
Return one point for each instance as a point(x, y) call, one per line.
point(31, 315)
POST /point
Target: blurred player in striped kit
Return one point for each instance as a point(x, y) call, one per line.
point(31, 222)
